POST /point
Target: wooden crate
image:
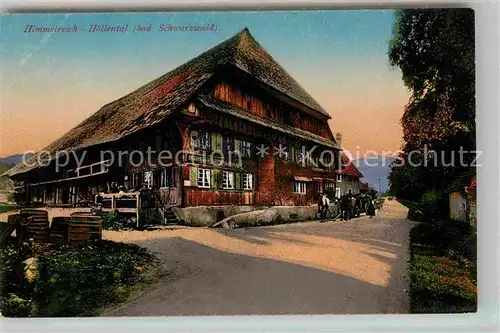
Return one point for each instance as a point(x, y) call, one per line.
point(35, 225)
point(84, 227)
point(59, 230)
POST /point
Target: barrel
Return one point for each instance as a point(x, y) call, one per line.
point(84, 227)
point(59, 230)
point(35, 225)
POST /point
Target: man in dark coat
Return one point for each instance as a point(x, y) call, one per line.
point(345, 208)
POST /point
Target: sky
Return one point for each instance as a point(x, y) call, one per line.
point(50, 82)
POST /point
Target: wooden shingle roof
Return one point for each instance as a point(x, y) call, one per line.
point(154, 101)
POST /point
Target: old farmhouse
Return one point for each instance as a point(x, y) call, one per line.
point(240, 131)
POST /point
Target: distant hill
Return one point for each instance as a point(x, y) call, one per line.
point(5, 164)
point(13, 159)
point(375, 168)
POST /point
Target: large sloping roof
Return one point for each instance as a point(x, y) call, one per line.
point(152, 102)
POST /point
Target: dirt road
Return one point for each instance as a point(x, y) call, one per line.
point(355, 267)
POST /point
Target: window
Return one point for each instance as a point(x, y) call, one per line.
point(162, 178)
point(315, 160)
point(329, 185)
point(301, 155)
point(283, 152)
point(227, 144)
point(203, 140)
point(299, 187)
point(148, 179)
point(327, 159)
point(337, 193)
point(339, 178)
point(204, 178)
point(248, 181)
point(134, 181)
point(227, 180)
point(247, 149)
point(194, 139)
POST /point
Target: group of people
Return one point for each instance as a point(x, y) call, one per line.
point(348, 206)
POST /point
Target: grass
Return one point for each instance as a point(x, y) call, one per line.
point(4, 208)
point(70, 281)
point(443, 273)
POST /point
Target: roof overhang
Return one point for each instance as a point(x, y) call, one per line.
point(302, 179)
point(217, 105)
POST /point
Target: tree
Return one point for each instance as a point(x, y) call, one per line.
point(435, 51)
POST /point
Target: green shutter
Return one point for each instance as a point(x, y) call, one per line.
point(238, 179)
point(216, 178)
point(213, 140)
point(216, 141)
point(193, 175)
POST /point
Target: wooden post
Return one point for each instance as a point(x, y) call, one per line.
point(138, 209)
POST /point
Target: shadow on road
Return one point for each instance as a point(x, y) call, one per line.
point(355, 267)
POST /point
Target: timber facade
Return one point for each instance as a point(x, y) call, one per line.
point(229, 127)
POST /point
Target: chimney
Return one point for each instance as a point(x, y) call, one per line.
point(338, 138)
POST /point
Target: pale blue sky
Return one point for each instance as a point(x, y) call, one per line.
point(61, 78)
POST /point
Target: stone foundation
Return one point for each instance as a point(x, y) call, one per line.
point(202, 216)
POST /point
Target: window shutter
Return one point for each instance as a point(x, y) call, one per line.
point(213, 141)
point(216, 181)
point(238, 179)
point(193, 175)
point(293, 153)
point(255, 181)
point(216, 141)
point(238, 146)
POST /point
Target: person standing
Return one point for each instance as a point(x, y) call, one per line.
point(370, 209)
point(325, 203)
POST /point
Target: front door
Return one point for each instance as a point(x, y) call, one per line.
point(169, 189)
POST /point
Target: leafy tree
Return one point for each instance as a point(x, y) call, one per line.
point(434, 50)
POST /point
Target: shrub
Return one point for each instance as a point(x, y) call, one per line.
point(433, 203)
point(110, 221)
point(415, 215)
point(450, 237)
point(72, 281)
point(16, 291)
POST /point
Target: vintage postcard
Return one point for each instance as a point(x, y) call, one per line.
point(238, 163)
